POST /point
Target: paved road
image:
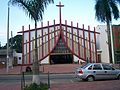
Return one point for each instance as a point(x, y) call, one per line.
point(96, 85)
point(59, 82)
point(54, 78)
point(13, 82)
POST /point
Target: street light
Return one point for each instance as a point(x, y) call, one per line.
point(7, 68)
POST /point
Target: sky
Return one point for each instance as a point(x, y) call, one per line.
point(81, 11)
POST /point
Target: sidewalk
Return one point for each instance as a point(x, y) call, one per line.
point(57, 68)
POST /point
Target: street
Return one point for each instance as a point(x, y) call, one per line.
point(54, 78)
point(58, 82)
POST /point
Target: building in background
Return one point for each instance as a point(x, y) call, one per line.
point(116, 42)
point(14, 58)
point(103, 43)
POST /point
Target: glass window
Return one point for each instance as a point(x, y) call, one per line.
point(90, 68)
point(97, 67)
point(107, 67)
point(85, 65)
point(19, 58)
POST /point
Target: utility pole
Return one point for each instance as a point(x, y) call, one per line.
point(11, 47)
point(0, 44)
point(112, 44)
point(7, 65)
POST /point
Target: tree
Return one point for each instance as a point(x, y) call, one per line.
point(15, 43)
point(104, 10)
point(34, 9)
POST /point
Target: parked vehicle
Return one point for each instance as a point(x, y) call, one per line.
point(96, 71)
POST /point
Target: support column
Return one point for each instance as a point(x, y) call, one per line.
point(33, 49)
point(78, 41)
point(46, 51)
point(39, 48)
point(48, 38)
point(26, 62)
point(54, 33)
point(66, 31)
point(84, 43)
point(22, 45)
point(72, 37)
point(87, 50)
point(95, 45)
point(89, 44)
point(29, 61)
point(81, 48)
point(42, 40)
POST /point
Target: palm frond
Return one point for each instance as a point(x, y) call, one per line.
point(33, 8)
point(105, 9)
point(115, 10)
point(99, 8)
point(118, 1)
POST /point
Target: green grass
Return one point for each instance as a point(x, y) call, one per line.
point(34, 86)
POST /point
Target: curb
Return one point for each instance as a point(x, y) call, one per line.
point(41, 73)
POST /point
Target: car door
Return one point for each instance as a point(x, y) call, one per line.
point(109, 71)
point(97, 71)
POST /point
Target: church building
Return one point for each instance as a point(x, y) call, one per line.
point(61, 43)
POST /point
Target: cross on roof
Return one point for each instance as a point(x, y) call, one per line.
point(60, 10)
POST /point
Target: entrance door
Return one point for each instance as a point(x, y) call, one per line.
point(61, 59)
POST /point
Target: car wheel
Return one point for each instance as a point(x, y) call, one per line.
point(90, 78)
point(119, 77)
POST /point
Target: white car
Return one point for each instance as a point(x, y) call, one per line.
point(95, 71)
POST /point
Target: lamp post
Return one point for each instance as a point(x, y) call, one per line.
point(112, 44)
point(7, 65)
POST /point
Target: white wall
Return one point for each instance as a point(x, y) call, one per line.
point(45, 61)
point(75, 59)
point(103, 43)
point(19, 57)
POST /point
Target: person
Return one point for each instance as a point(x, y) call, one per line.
point(28, 69)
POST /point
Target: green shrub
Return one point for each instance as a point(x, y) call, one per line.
point(34, 86)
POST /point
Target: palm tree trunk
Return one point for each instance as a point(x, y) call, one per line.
point(109, 41)
point(36, 78)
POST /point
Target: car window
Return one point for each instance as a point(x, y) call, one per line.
point(85, 65)
point(97, 67)
point(90, 68)
point(107, 67)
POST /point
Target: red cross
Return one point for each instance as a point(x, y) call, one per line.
point(60, 10)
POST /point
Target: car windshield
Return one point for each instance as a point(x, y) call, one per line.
point(85, 65)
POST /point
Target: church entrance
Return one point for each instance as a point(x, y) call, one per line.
point(61, 59)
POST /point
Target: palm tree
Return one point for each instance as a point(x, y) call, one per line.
point(104, 10)
point(34, 9)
